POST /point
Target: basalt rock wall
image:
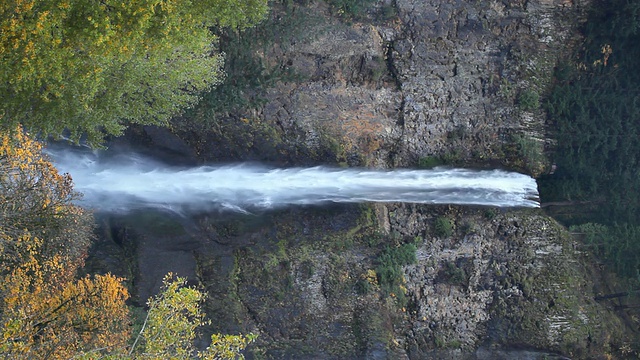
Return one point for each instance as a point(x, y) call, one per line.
point(401, 81)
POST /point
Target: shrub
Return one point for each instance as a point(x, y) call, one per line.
point(443, 227)
point(429, 162)
point(455, 275)
point(490, 213)
point(388, 12)
point(454, 157)
point(467, 227)
point(389, 269)
point(529, 100)
point(354, 9)
point(363, 287)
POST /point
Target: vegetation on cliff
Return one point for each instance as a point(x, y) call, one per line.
point(595, 106)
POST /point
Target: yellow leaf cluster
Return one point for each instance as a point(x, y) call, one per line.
point(169, 329)
point(45, 312)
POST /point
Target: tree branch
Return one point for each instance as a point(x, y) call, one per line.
point(144, 325)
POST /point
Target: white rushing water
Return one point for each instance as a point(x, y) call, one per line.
point(131, 181)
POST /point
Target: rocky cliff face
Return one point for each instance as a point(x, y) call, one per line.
point(408, 80)
point(513, 279)
point(450, 80)
point(314, 283)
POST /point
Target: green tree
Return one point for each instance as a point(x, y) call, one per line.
point(95, 67)
point(170, 327)
point(618, 245)
point(595, 106)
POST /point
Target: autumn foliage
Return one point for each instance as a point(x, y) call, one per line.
point(46, 311)
point(36, 201)
point(170, 327)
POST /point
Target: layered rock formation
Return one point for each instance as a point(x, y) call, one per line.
point(409, 79)
point(308, 281)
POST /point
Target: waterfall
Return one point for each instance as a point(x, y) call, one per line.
point(125, 182)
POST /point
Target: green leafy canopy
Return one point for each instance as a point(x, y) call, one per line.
point(94, 67)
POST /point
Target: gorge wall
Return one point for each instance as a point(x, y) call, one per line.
point(405, 81)
point(317, 283)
